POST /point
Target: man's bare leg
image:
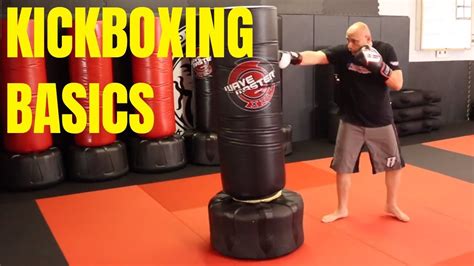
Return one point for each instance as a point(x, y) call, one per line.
point(392, 181)
point(343, 186)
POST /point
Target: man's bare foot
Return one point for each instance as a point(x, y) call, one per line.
point(395, 211)
point(334, 216)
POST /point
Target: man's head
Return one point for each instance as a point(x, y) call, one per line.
point(358, 35)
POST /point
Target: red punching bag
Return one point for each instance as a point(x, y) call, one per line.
point(29, 161)
point(31, 71)
point(96, 156)
point(158, 73)
point(159, 149)
point(87, 70)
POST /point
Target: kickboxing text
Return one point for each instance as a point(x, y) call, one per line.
point(114, 21)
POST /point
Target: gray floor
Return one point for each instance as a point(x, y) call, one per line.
point(449, 163)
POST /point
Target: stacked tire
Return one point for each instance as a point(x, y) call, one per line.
point(416, 111)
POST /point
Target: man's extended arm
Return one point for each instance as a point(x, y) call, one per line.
point(302, 58)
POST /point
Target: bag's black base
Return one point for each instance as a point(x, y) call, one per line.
point(97, 163)
point(201, 147)
point(287, 144)
point(157, 155)
point(256, 231)
point(31, 171)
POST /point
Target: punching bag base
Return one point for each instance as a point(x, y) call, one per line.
point(98, 163)
point(287, 134)
point(31, 171)
point(201, 147)
point(157, 155)
point(256, 231)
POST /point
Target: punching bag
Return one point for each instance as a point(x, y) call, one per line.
point(254, 217)
point(95, 156)
point(160, 149)
point(29, 160)
point(201, 141)
point(287, 136)
point(204, 95)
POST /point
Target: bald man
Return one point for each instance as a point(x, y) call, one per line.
point(367, 69)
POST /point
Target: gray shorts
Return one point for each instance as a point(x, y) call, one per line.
point(382, 143)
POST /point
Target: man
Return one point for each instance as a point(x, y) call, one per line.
point(366, 68)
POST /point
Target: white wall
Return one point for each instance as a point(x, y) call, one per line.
point(408, 8)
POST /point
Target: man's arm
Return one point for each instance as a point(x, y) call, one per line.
point(302, 58)
point(395, 81)
point(313, 58)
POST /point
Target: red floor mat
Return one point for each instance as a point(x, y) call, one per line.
point(463, 145)
point(167, 222)
point(197, 191)
point(443, 194)
point(463, 260)
point(440, 208)
point(121, 226)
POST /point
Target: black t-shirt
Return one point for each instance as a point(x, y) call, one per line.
point(364, 97)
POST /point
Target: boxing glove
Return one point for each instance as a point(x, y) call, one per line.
point(288, 57)
point(373, 61)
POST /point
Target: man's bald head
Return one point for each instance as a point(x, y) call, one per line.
point(359, 28)
point(358, 35)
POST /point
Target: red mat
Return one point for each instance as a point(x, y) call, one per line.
point(466, 259)
point(121, 226)
point(463, 145)
point(446, 195)
point(199, 190)
point(166, 223)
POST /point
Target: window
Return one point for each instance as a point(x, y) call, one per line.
point(463, 9)
point(472, 27)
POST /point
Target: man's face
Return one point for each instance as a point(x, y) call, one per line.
point(355, 40)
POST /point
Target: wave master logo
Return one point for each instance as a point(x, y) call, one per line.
point(251, 85)
point(202, 67)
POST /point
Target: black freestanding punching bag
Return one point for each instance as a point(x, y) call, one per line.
point(254, 217)
point(287, 136)
point(201, 142)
